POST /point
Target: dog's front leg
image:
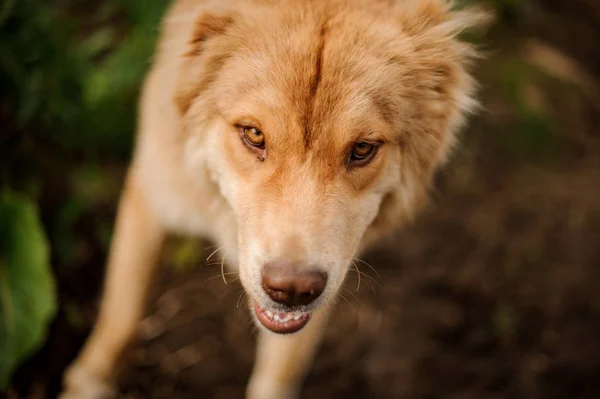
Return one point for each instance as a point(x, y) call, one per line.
point(283, 361)
point(135, 246)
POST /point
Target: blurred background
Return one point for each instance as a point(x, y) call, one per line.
point(491, 293)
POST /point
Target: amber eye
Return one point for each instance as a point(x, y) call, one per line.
point(254, 137)
point(362, 152)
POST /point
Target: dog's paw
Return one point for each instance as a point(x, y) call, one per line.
point(262, 389)
point(80, 383)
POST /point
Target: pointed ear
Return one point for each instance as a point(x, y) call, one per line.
point(444, 58)
point(208, 26)
point(201, 62)
point(418, 16)
point(444, 90)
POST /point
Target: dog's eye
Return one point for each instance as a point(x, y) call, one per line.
point(362, 153)
point(362, 150)
point(254, 137)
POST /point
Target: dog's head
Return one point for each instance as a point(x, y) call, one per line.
point(321, 123)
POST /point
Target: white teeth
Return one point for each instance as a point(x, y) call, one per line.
point(283, 317)
point(287, 317)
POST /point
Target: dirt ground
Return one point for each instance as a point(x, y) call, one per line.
point(491, 293)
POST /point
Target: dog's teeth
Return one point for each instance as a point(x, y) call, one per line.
point(283, 317)
point(287, 317)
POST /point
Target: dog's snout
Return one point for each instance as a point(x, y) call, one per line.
point(287, 285)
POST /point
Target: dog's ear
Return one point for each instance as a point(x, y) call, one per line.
point(201, 63)
point(207, 26)
point(444, 60)
point(443, 90)
point(420, 15)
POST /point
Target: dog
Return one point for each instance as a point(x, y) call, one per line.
point(294, 134)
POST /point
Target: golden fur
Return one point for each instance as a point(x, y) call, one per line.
point(316, 76)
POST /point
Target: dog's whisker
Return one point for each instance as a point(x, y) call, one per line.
point(348, 302)
point(219, 275)
point(352, 293)
point(228, 273)
point(240, 299)
point(214, 263)
point(336, 303)
point(358, 274)
point(222, 269)
point(368, 265)
point(217, 250)
point(370, 279)
point(221, 263)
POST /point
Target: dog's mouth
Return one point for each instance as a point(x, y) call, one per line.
point(281, 322)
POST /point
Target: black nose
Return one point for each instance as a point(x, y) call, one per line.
point(289, 285)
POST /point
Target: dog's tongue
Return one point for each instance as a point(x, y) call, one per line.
point(281, 322)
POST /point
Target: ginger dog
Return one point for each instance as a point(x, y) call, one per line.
point(293, 133)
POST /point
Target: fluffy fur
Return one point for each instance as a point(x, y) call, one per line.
point(315, 77)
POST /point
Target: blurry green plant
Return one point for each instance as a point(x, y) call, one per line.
point(70, 74)
point(73, 76)
point(27, 289)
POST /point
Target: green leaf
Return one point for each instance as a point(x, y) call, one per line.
point(27, 288)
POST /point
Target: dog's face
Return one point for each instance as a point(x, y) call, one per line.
point(320, 124)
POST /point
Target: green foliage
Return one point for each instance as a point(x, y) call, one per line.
point(76, 83)
point(27, 290)
point(70, 74)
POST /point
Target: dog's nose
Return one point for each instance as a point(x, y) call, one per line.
point(287, 285)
